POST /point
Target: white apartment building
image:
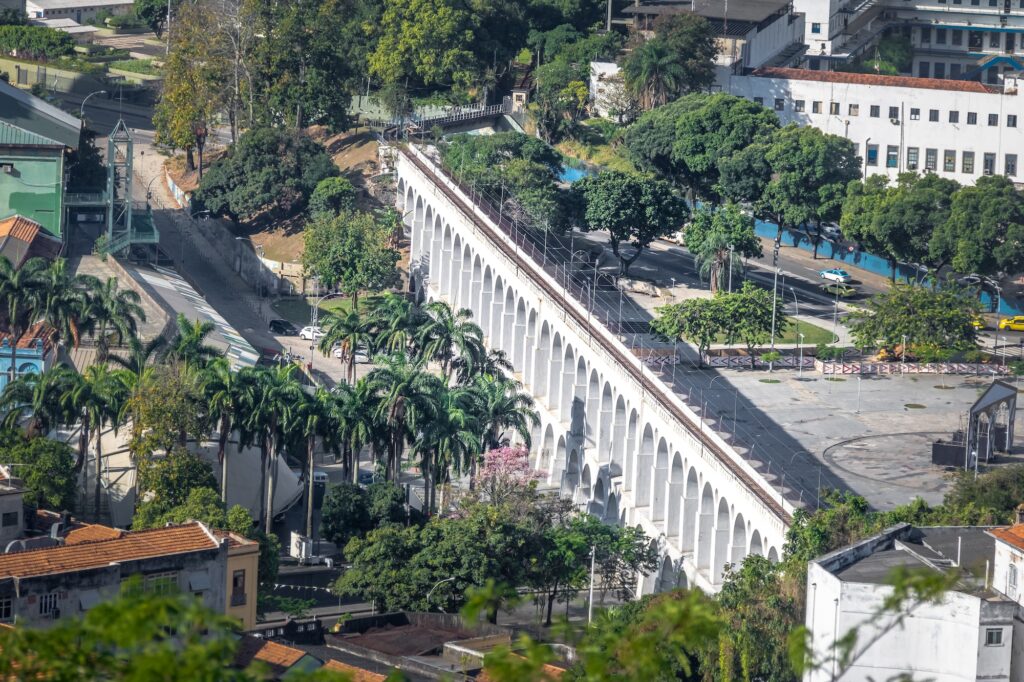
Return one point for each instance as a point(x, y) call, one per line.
point(957, 129)
point(973, 633)
point(81, 11)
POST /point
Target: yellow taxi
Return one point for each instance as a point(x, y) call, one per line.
point(1015, 323)
point(978, 322)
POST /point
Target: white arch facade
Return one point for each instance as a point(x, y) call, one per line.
point(607, 437)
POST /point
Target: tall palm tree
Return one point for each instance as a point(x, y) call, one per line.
point(351, 333)
point(712, 259)
point(494, 364)
point(653, 73)
point(19, 298)
point(406, 394)
point(448, 440)
point(270, 399)
point(355, 411)
point(97, 397)
point(394, 322)
point(224, 390)
point(39, 394)
point(141, 355)
point(63, 301)
point(449, 334)
point(189, 344)
point(501, 407)
point(315, 418)
point(110, 309)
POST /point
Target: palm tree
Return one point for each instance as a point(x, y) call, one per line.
point(394, 323)
point(189, 344)
point(38, 394)
point(63, 301)
point(502, 407)
point(355, 411)
point(270, 400)
point(224, 390)
point(351, 333)
point(141, 355)
point(448, 334)
point(315, 418)
point(97, 397)
point(406, 396)
point(653, 73)
point(494, 364)
point(19, 296)
point(111, 309)
point(448, 440)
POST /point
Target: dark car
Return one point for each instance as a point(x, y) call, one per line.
point(283, 327)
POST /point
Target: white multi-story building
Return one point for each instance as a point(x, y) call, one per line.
point(957, 129)
point(974, 632)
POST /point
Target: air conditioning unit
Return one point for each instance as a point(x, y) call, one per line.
point(894, 121)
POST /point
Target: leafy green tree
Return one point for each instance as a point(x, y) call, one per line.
point(267, 170)
point(940, 318)
point(35, 42)
point(350, 333)
point(448, 443)
point(716, 236)
point(345, 513)
point(560, 98)
point(46, 467)
point(984, 231)
point(654, 73)
point(633, 209)
point(350, 251)
point(386, 503)
point(201, 504)
point(748, 317)
point(697, 320)
point(36, 399)
point(406, 400)
point(380, 568)
point(167, 483)
point(693, 39)
point(650, 140)
point(333, 196)
point(153, 13)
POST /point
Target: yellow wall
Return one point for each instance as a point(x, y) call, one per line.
point(243, 558)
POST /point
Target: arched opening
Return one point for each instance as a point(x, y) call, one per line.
point(516, 341)
point(619, 436)
point(756, 549)
point(585, 487)
point(444, 271)
point(555, 475)
point(681, 582)
point(722, 528)
point(508, 321)
point(631, 450)
point(434, 266)
point(571, 479)
point(529, 347)
point(593, 408)
point(659, 482)
point(554, 380)
point(541, 364)
point(645, 462)
point(739, 540)
point(454, 278)
point(497, 308)
point(463, 294)
point(675, 497)
point(546, 450)
point(705, 527)
point(577, 411)
point(567, 384)
point(773, 556)
point(612, 512)
point(690, 505)
point(483, 313)
point(604, 428)
point(666, 576)
point(476, 289)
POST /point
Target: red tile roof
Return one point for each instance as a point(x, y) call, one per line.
point(234, 539)
point(278, 656)
point(20, 228)
point(91, 532)
point(355, 674)
point(144, 544)
point(28, 339)
point(874, 79)
point(1014, 535)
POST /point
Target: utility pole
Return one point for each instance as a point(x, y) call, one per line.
point(608, 23)
point(775, 291)
point(167, 30)
point(590, 602)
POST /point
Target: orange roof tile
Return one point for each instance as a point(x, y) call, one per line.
point(19, 227)
point(278, 654)
point(91, 532)
point(548, 673)
point(1014, 535)
point(144, 544)
point(355, 674)
point(234, 539)
point(873, 79)
point(28, 339)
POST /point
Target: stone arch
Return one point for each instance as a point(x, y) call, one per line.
point(571, 479)
point(666, 576)
point(530, 345)
point(659, 481)
point(611, 514)
point(554, 372)
point(577, 410)
point(617, 453)
point(691, 503)
point(567, 383)
point(682, 583)
point(586, 486)
point(631, 450)
point(773, 555)
point(493, 330)
point(756, 548)
point(517, 338)
point(445, 261)
point(483, 313)
point(604, 425)
point(739, 540)
point(476, 289)
point(644, 465)
point(541, 366)
point(436, 249)
point(462, 297)
point(721, 550)
point(404, 193)
point(676, 478)
point(508, 321)
point(704, 527)
point(592, 411)
point(547, 447)
point(454, 279)
point(555, 476)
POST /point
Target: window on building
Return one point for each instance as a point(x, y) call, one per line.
point(1011, 576)
point(933, 115)
point(926, 34)
point(954, 70)
point(872, 155)
point(815, 28)
point(949, 161)
point(931, 157)
point(993, 119)
point(954, 117)
point(759, 100)
point(940, 69)
point(238, 588)
point(162, 583)
point(892, 156)
point(988, 164)
point(993, 636)
point(874, 111)
point(940, 36)
point(1011, 43)
point(853, 110)
point(993, 40)
point(912, 154)
point(1011, 120)
point(815, 107)
point(6, 609)
point(923, 69)
point(972, 118)
point(833, 108)
point(975, 2)
point(894, 113)
point(957, 37)
point(9, 519)
point(1010, 165)
point(780, 104)
point(967, 162)
point(975, 40)
point(798, 105)
point(915, 114)
point(48, 605)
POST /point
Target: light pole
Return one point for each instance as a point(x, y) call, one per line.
point(835, 317)
point(775, 290)
point(730, 267)
point(590, 601)
point(81, 110)
point(436, 585)
point(800, 348)
point(858, 394)
point(1003, 339)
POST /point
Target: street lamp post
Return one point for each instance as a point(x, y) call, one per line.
point(835, 317)
point(858, 394)
point(775, 290)
point(200, 132)
point(81, 110)
point(436, 585)
point(731, 249)
point(800, 347)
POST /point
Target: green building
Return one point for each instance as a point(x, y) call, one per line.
point(34, 139)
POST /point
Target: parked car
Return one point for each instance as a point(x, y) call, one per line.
point(835, 275)
point(978, 322)
point(1015, 323)
point(311, 334)
point(283, 327)
point(837, 288)
point(831, 231)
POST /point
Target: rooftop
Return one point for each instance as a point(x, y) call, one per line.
point(28, 340)
point(1013, 536)
point(64, 24)
point(354, 673)
point(875, 79)
point(28, 112)
point(91, 532)
point(129, 546)
point(735, 10)
point(48, 5)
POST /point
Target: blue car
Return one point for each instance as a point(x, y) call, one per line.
point(836, 275)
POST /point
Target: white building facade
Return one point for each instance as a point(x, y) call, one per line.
point(77, 10)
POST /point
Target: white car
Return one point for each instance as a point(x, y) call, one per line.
point(835, 275)
point(311, 334)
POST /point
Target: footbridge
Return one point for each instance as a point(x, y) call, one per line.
point(612, 435)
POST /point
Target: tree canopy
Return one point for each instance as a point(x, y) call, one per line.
point(926, 318)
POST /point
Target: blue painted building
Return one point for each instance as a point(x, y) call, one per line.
point(30, 356)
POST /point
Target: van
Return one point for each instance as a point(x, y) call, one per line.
point(319, 476)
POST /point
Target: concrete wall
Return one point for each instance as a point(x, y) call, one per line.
point(244, 558)
point(11, 503)
point(772, 39)
point(34, 188)
point(29, 360)
point(604, 438)
point(79, 14)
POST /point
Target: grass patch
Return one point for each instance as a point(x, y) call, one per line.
point(945, 388)
point(770, 381)
point(813, 335)
point(593, 148)
point(142, 66)
point(834, 379)
point(298, 310)
point(914, 406)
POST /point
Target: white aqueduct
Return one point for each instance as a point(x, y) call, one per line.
point(612, 435)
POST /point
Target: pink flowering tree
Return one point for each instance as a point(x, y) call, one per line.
point(506, 474)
